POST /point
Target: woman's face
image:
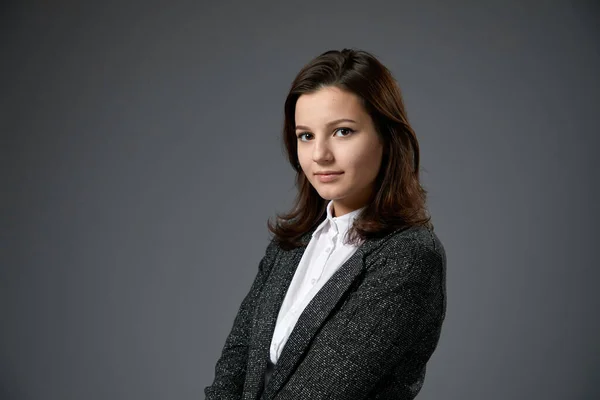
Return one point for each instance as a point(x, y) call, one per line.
point(335, 133)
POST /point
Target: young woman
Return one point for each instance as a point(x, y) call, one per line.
point(350, 296)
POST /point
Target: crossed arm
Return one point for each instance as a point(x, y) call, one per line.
point(230, 370)
point(389, 325)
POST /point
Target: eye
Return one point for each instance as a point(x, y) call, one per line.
point(301, 135)
point(350, 131)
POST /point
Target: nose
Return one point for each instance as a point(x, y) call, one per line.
point(321, 152)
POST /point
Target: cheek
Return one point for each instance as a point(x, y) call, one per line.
point(305, 166)
point(365, 164)
point(301, 158)
point(364, 158)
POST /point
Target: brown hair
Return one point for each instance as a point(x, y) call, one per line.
point(398, 200)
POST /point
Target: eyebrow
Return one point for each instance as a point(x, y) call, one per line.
point(337, 121)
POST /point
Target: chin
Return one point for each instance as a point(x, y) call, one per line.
point(330, 194)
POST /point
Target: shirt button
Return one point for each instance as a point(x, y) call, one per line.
point(313, 281)
point(328, 249)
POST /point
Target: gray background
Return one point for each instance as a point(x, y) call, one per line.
point(141, 157)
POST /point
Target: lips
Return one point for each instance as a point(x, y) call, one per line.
point(328, 177)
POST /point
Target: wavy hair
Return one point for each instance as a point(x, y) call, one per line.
point(399, 200)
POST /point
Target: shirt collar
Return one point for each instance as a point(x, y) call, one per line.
point(340, 224)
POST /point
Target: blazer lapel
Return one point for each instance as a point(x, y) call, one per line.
point(265, 318)
point(312, 317)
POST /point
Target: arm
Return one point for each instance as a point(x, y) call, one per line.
point(390, 324)
point(230, 370)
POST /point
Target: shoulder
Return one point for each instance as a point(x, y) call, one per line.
point(414, 245)
point(269, 257)
point(420, 239)
point(272, 248)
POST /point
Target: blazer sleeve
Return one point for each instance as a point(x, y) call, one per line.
point(230, 369)
point(394, 317)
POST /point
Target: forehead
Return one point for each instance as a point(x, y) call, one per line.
point(326, 104)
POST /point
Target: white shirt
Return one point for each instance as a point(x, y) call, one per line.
point(325, 254)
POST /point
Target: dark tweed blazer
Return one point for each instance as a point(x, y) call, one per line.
point(367, 334)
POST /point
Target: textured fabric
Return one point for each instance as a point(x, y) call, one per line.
point(325, 253)
point(367, 334)
point(268, 372)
